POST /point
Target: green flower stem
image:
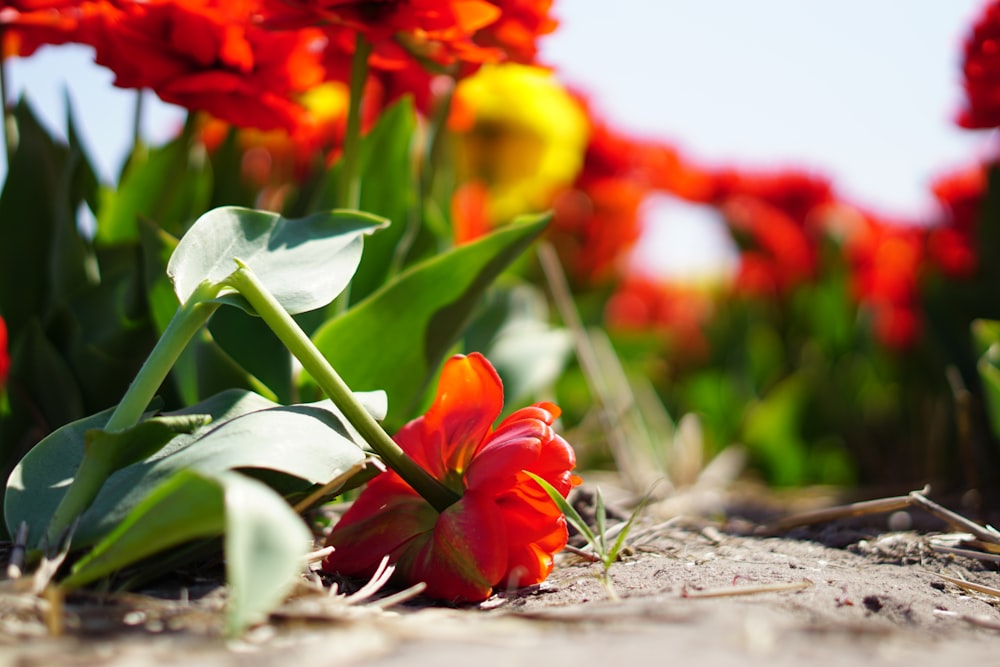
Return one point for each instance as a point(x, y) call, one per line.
point(95, 469)
point(350, 184)
point(187, 321)
point(299, 344)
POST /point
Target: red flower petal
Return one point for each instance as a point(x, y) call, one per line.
point(469, 399)
point(380, 523)
point(464, 556)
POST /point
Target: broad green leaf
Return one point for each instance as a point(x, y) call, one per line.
point(398, 337)
point(986, 340)
point(185, 507)
point(989, 376)
point(170, 184)
point(47, 388)
point(29, 217)
point(105, 332)
point(305, 263)
point(514, 333)
point(986, 336)
point(265, 543)
point(307, 443)
point(121, 448)
point(772, 431)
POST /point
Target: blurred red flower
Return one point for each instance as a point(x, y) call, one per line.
point(597, 221)
point(886, 261)
point(29, 24)
point(951, 245)
point(398, 30)
point(4, 355)
point(206, 55)
point(981, 71)
point(678, 311)
point(502, 532)
point(516, 31)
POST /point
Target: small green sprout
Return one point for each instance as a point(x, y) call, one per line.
point(605, 553)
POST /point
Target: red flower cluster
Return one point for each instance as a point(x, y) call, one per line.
point(248, 61)
point(951, 243)
point(780, 221)
point(769, 214)
point(677, 311)
point(414, 40)
point(517, 29)
point(887, 262)
point(29, 24)
point(981, 71)
point(596, 222)
point(205, 55)
point(504, 529)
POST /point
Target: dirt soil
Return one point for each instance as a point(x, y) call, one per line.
point(690, 592)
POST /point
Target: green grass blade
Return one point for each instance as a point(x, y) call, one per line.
point(601, 519)
point(568, 510)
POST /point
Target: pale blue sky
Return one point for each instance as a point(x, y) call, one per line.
point(861, 90)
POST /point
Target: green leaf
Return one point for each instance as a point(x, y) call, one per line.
point(572, 516)
point(265, 541)
point(989, 376)
point(29, 218)
point(306, 443)
point(170, 184)
point(986, 336)
point(121, 448)
point(252, 345)
point(398, 337)
point(514, 333)
point(600, 519)
point(388, 189)
point(266, 544)
point(47, 388)
point(185, 507)
point(305, 263)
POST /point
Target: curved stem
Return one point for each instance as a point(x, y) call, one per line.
point(186, 322)
point(299, 344)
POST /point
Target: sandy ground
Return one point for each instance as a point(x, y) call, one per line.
point(691, 593)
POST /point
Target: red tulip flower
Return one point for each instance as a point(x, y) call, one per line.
point(504, 529)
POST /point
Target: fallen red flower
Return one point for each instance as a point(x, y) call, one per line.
point(502, 532)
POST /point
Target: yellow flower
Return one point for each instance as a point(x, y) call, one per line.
point(525, 137)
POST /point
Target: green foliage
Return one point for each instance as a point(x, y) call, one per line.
point(986, 338)
point(309, 443)
point(397, 338)
point(170, 184)
point(140, 486)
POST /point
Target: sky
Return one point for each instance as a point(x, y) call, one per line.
point(863, 91)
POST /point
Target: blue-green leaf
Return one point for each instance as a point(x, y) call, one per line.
point(305, 263)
